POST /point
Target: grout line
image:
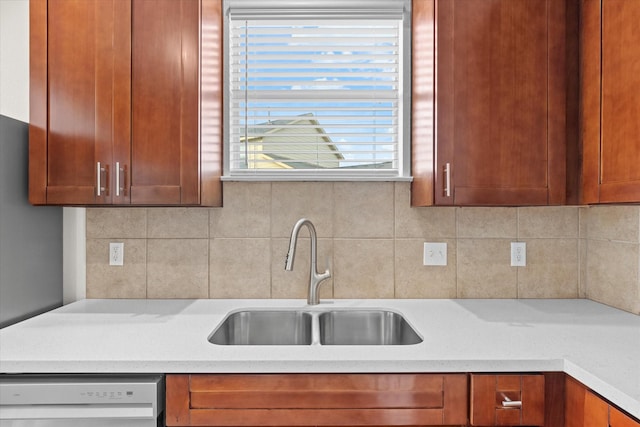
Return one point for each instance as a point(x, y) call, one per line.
point(455, 215)
point(517, 240)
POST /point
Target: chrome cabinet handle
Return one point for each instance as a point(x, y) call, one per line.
point(508, 403)
point(447, 180)
point(98, 184)
point(117, 179)
point(121, 180)
point(99, 171)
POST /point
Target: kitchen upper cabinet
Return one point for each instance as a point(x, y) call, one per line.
point(316, 400)
point(583, 408)
point(116, 98)
point(610, 102)
point(499, 102)
point(79, 98)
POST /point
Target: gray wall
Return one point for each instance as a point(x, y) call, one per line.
point(30, 237)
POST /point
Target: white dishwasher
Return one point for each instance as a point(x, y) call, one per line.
point(81, 400)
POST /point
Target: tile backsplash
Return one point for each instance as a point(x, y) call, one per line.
point(373, 241)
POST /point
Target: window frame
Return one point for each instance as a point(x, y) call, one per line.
point(309, 8)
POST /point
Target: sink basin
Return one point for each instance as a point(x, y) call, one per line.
point(366, 327)
point(314, 327)
point(262, 327)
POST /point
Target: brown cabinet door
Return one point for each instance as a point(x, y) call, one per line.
point(583, 408)
point(165, 85)
point(610, 106)
point(618, 419)
point(500, 102)
point(80, 98)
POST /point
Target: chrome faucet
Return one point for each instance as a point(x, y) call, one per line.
point(314, 278)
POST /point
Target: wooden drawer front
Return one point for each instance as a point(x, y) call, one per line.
point(317, 399)
point(488, 392)
point(316, 392)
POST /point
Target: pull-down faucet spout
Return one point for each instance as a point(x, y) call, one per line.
point(314, 278)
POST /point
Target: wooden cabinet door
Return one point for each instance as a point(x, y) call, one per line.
point(610, 106)
point(500, 102)
point(165, 86)
point(618, 419)
point(583, 408)
point(79, 98)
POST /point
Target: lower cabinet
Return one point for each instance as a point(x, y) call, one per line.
point(584, 408)
point(550, 399)
point(316, 400)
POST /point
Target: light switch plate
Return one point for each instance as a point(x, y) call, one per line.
point(435, 253)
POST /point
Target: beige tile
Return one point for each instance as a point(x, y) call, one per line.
point(122, 223)
point(246, 211)
point(363, 268)
point(415, 280)
point(291, 201)
point(487, 222)
point(240, 268)
point(551, 271)
point(127, 281)
point(178, 268)
point(548, 222)
point(434, 222)
point(484, 269)
point(620, 223)
point(178, 223)
point(612, 274)
point(363, 209)
point(295, 283)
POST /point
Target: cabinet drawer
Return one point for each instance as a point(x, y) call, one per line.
point(507, 400)
point(316, 399)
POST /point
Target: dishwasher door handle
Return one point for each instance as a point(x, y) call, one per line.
point(58, 412)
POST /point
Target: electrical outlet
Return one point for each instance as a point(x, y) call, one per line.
point(518, 254)
point(435, 254)
point(116, 253)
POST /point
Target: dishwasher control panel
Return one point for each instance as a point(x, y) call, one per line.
point(81, 389)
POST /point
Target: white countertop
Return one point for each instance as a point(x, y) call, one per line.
point(596, 344)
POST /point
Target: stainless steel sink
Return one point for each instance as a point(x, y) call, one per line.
point(366, 327)
point(263, 327)
point(314, 327)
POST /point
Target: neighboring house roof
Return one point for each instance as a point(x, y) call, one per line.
point(272, 135)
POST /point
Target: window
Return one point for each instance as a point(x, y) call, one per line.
point(316, 93)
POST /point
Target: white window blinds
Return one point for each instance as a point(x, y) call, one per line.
point(315, 93)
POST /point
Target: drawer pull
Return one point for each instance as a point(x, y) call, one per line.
point(508, 403)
